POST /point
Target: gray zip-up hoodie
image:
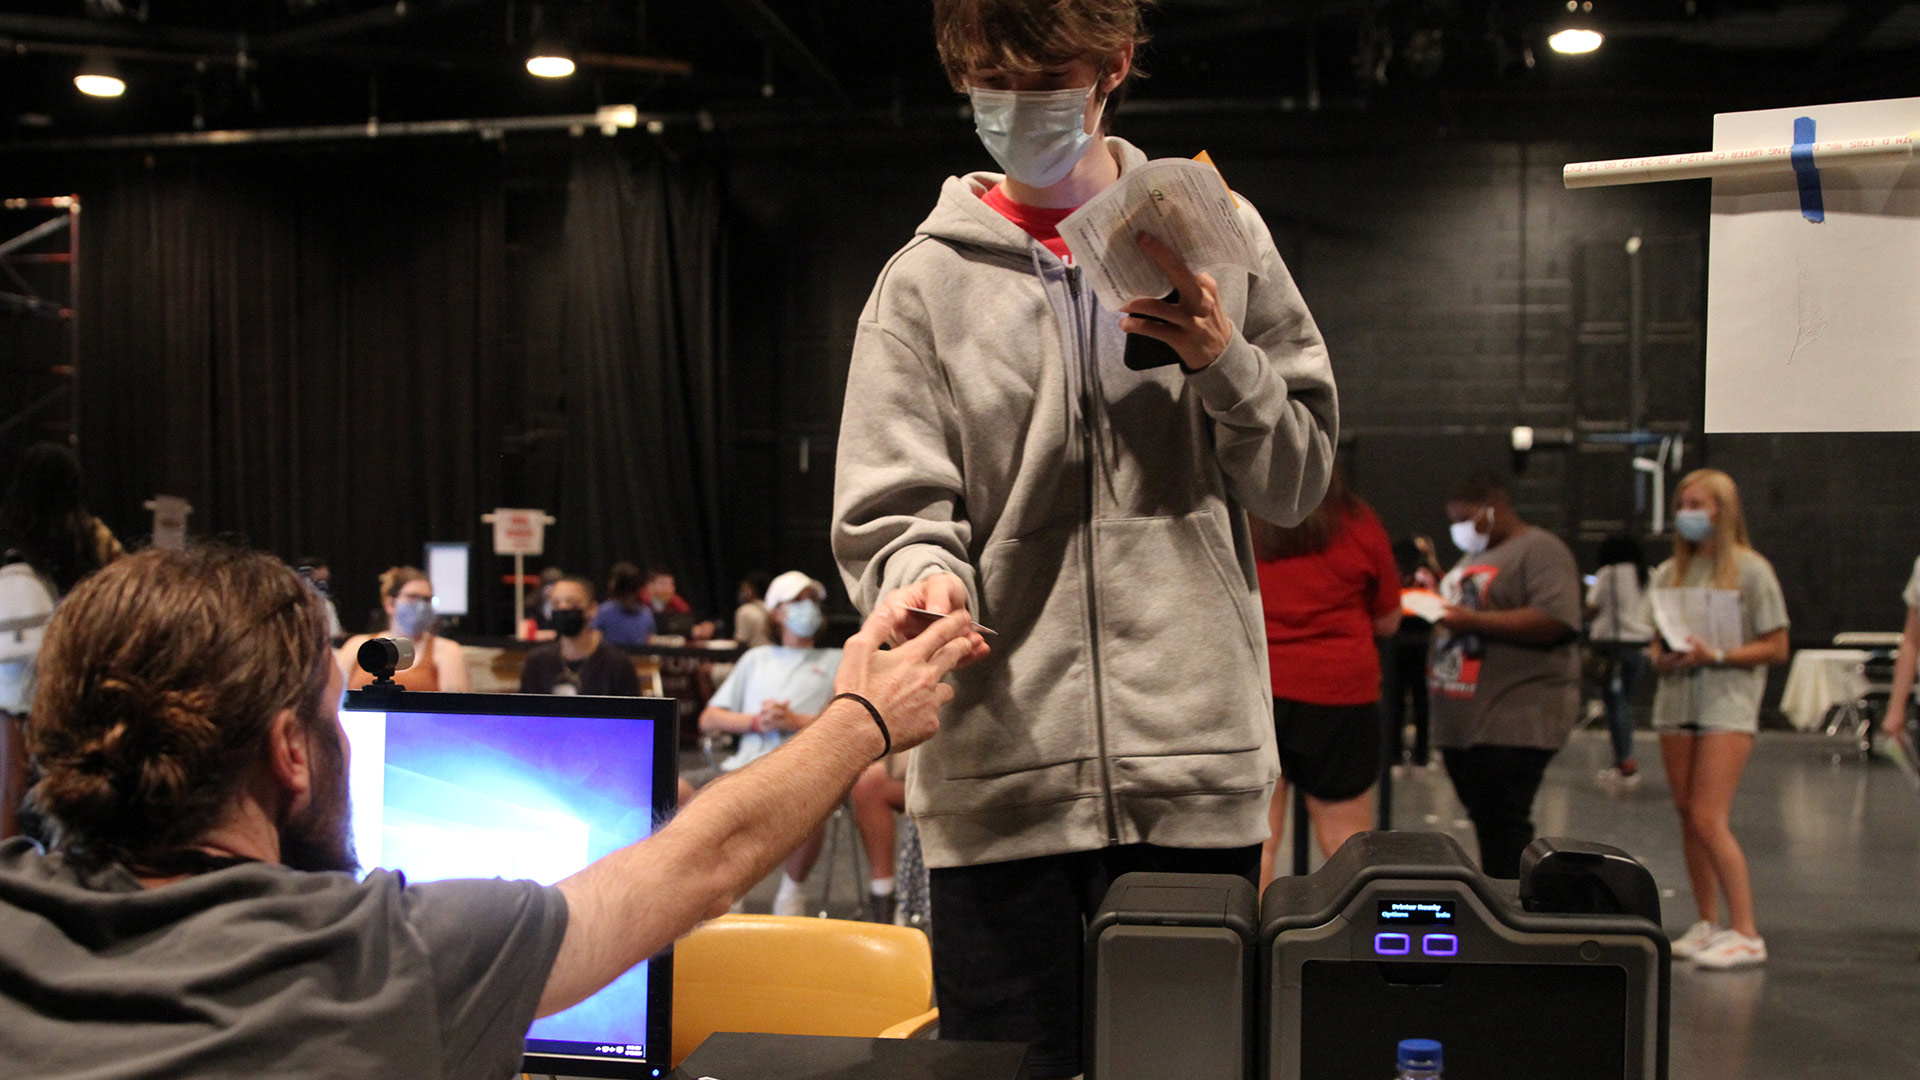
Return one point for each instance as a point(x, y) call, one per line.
point(991, 431)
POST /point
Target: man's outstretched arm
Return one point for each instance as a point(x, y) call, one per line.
point(633, 903)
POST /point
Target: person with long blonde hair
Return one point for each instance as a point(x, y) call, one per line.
point(1707, 710)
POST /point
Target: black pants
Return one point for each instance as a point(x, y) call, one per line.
point(1497, 784)
point(1404, 693)
point(1009, 938)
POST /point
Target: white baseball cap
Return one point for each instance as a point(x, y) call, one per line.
point(793, 585)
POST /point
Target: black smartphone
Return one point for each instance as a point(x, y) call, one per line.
point(1146, 353)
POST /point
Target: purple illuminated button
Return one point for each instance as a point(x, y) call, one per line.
point(1392, 944)
point(1440, 945)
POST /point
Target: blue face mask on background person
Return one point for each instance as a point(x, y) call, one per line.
point(413, 616)
point(1695, 525)
point(1037, 136)
point(803, 618)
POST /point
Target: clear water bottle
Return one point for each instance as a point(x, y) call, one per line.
point(1419, 1059)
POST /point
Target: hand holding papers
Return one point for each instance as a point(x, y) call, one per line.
point(1710, 615)
point(1423, 604)
point(1183, 204)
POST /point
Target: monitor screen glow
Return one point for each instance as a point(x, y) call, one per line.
point(441, 795)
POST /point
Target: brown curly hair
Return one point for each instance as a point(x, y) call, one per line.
point(1024, 36)
point(158, 681)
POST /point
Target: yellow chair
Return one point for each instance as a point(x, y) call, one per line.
point(796, 976)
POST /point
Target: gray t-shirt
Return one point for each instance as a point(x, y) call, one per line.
point(1912, 592)
point(1495, 693)
point(260, 971)
point(1722, 698)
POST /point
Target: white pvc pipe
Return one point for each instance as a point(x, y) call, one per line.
point(1710, 164)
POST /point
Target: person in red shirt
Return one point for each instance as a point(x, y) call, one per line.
point(1329, 587)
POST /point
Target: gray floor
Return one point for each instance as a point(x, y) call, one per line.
point(1834, 850)
point(1835, 855)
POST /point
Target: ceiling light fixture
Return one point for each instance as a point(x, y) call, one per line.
point(1577, 34)
point(550, 60)
point(99, 77)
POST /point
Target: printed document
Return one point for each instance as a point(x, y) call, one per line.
point(1712, 615)
point(1423, 604)
point(1184, 203)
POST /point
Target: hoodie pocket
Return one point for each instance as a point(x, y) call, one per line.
point(1029, 706)
point(1181, 643)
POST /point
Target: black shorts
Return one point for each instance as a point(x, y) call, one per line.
point(1331, 752)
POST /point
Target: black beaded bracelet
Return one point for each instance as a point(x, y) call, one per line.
point(885, 737)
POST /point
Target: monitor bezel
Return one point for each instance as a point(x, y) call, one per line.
point(664, 714)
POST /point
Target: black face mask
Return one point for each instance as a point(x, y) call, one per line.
point(569, 622)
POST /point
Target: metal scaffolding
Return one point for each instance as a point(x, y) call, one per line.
point(39, 321)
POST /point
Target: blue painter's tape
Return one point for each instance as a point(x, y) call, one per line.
point(1811, 206)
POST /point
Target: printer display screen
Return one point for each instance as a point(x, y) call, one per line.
point(1416, 912)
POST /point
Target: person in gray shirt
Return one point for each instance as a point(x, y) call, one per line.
point(1504, 671)
point(198, 915)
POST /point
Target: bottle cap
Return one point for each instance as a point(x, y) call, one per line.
point(1419, 1054)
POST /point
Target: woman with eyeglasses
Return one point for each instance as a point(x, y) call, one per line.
point(407, 597)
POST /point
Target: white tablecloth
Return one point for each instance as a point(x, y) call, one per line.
point(1818, 680)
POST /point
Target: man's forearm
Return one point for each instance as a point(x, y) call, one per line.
point(636, 901)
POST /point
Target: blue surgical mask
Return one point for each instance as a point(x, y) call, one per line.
point(1037, 136)
point(803, 618)
point(1695, 525)
point(413, 617)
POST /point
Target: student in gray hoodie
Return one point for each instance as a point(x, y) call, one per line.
point(996, 454)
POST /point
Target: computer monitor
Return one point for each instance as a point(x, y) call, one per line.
point(524, 786)
point(448, 567)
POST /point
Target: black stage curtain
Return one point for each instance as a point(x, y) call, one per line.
point(317, 349)
point(641, 342)
point(303, 345)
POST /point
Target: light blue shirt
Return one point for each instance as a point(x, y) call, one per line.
point(803, 678)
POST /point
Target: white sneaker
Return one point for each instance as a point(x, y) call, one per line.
point(1731, 949)
point(1690, 943)
point(790, 900)
point(1614, 776)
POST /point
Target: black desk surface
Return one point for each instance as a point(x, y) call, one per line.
point(730, 1055)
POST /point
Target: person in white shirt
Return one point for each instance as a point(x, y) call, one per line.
point(774, 692)
point(1619, 631)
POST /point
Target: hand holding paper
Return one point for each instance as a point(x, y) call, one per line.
point(1194, 325)
point(1710, 617)
point(1184, 204)
point(1423, 604)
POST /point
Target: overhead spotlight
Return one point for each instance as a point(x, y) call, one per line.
point(550, 60)
point(99, 77)
point(1575, 40)
point(1577, 34)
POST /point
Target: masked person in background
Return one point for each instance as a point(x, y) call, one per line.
point(772, 693)
point(996, 455)
point(580, 660)
point(1503, 677)
point(1707, 709)
point(407, 597)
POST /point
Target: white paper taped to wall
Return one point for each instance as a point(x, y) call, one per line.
point(1813, 327)
point(1182, 202)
